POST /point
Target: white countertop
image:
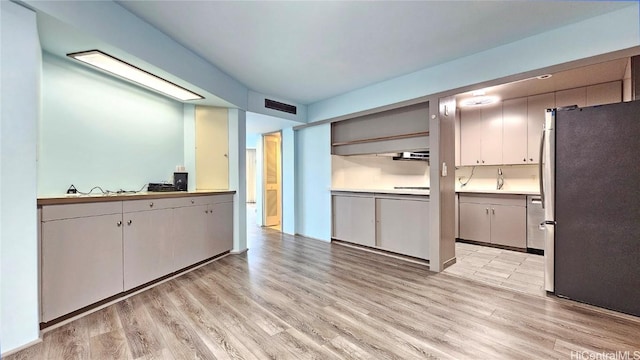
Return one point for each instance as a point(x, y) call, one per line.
point(386, 191)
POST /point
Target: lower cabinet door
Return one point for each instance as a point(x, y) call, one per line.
point(81, 263)
point(190, 235)
point(509, 225)
point(475, 222)
point(354, 219)
point(148, 246)
point(403, 226)
point(220, 229)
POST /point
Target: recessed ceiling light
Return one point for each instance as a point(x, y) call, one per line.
point(544, 77)
point(479, 101)
point(117, 67)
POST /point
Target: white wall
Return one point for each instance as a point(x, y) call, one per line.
point(598, 35)
point(19, 104)
point(97, 130)
point(516, 178)
point(376, 172)
point(288, 181)
point(313, 182)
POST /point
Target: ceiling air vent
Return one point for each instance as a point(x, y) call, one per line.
point(275, 105)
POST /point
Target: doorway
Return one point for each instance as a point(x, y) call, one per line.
point(272, 180)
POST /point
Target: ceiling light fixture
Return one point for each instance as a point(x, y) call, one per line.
point(544, 77)
point(117, 67)
point(479, 101)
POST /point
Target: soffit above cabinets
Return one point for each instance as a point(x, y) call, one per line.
point(574, 78)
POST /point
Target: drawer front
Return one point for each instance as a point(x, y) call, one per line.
point(218, 199)
point(509, 200)
point(70, 211)
point(151, 204)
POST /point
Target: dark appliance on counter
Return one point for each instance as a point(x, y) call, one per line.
point(589, 186)
point(160, 187)
point(180, 181)
point(413, 155)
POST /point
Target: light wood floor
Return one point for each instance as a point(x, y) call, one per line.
point(296, 298)
point(505, 268)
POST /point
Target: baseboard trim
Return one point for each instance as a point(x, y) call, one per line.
point(382, 252)
point(238, 252)
point(20, 348)
point(448, 263)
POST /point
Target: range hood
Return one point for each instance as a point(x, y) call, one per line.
point(412, 155)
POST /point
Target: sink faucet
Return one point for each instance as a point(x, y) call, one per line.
point(500, 180)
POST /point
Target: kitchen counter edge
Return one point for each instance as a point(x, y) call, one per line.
point(385, 191)
point(80, 199)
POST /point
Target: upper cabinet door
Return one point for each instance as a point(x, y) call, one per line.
point(607, 93)
point(570, 97)
point(536, 109)
point(514, 131)
point(470, 135)
point(491, 144)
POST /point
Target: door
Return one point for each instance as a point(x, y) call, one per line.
point(212, 148)
point(148, 246)
point(470, 137)
point(402, 226)
point(509, 225)
point(491, 142)
point(272, 180)
point(220, 228)
point(354, 219)
point(190, 235)
point(475, 222)
point(81, 263)
point(514, 131)
point(536, 109)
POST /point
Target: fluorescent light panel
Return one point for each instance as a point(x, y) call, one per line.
point(129, 72)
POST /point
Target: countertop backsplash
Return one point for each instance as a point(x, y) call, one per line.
point(377, 172)
point(516, 178)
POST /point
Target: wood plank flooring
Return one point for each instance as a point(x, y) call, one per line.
point(291, 297)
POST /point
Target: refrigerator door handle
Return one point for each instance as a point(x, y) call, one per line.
point(547, 222)
point(540, 168)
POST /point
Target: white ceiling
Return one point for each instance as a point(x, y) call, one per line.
point(306, 51)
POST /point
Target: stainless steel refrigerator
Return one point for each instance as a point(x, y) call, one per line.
point(590, 184)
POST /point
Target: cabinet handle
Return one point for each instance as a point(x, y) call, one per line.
point(487, 210)
point(531, 159)
point(483, 161)
point(119, 223)
point(493, 211)
point(129, 222)
point(151, 204)
point(206, 211)
point(524, 159)
point(192, 201)
point(477, 161)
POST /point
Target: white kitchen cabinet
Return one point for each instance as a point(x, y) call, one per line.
point(536, 111)
point(475, 222)
point(577, 96)
point(607, 93)
point(499, 219)
point(396, 223)
point(148, 246)
point(481, 136)
point(81, 257)
point(491, 150)
point(470, 137)
point(514, 131)
point(509, 225)
point(190, 235)
point(220, 228)
point(402, 226)
point(354, 219)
